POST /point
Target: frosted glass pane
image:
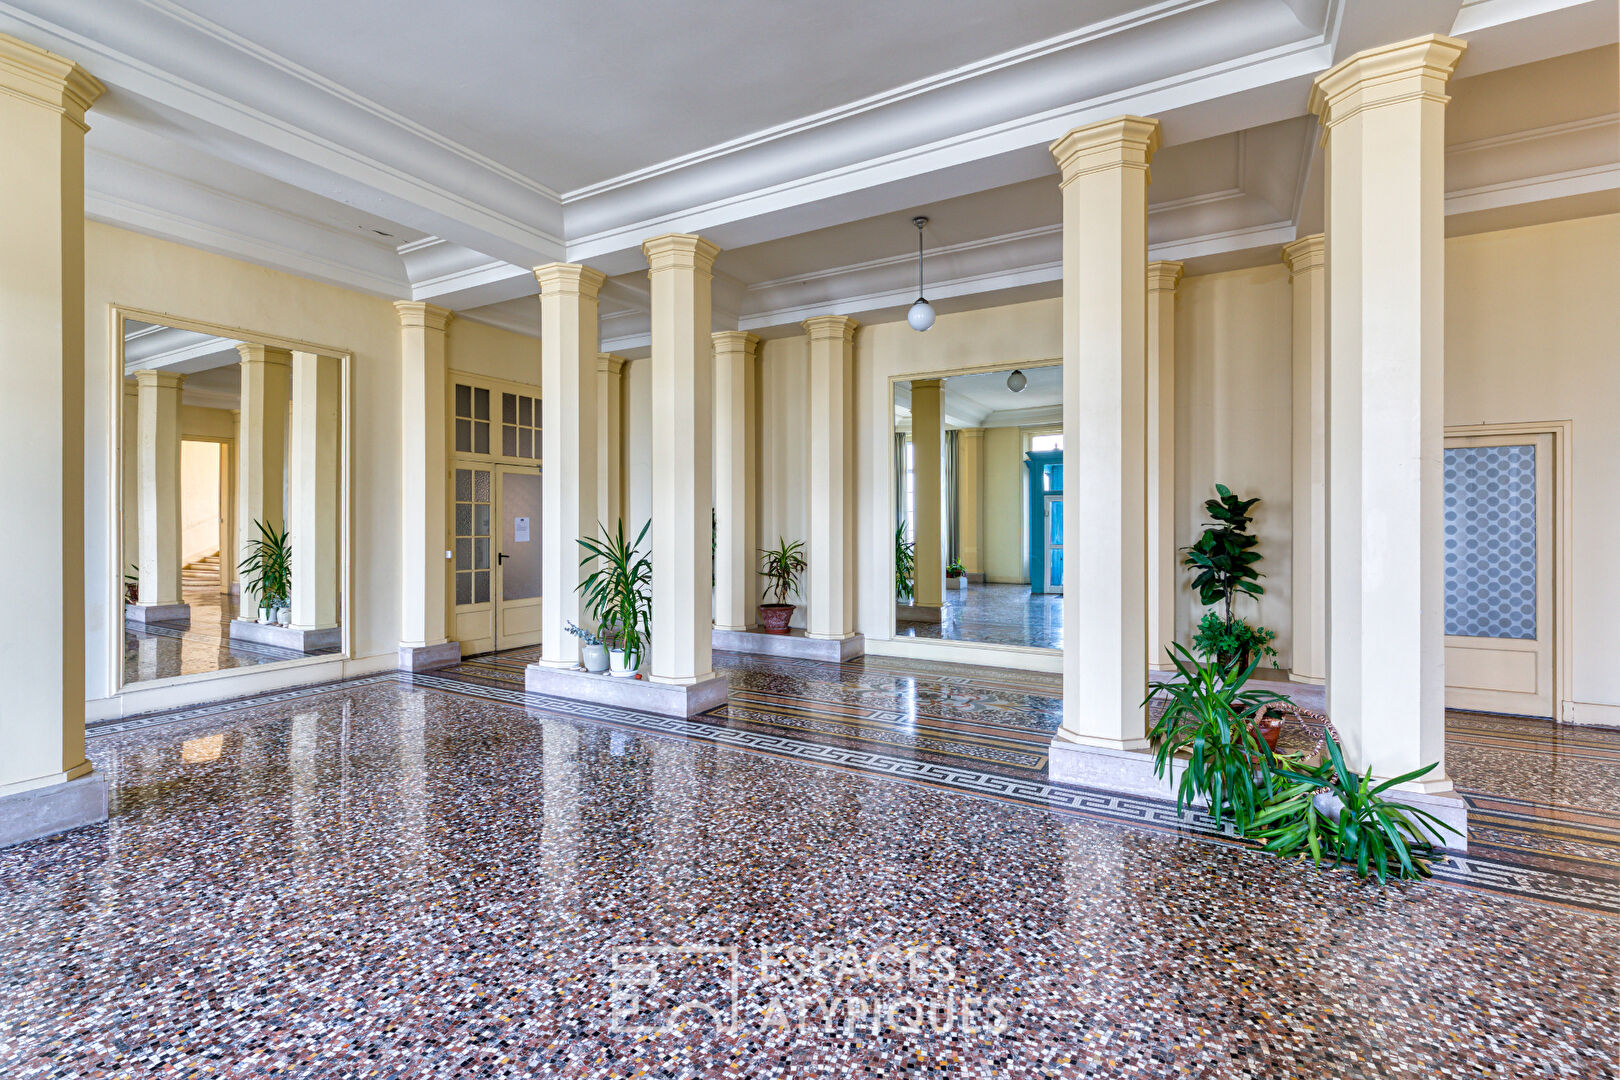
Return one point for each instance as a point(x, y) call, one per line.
point(481, 485)
point(509, 441)
point(509, 408)
point(1490, 541)
point(464, 485)
point(525, 443)
point(481, 404)
point(464, 436)
point(480, 438)
point(481, 554)
point(464, 588)
point(481, 520)
point(481, 586)
point(464, 519)
point(464, 554)
point(463, 399)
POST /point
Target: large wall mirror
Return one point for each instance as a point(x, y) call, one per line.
point(978, 483)
point(232, 542)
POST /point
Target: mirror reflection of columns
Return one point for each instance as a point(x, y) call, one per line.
point(928, 485)
point(736, 424)
point(1161, 460)
point(313, 471)
point(610, 448)
point(158, 498)
point(266, 392)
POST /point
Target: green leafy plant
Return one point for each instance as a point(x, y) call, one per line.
point(1223, 565)
point(132, 584)
point(1209, 716)
point(1233, 643)
point(781, 567)
point(268, 566)
point(1329, 811)
point(905, 566)
point(955, 569)
point(618, 591)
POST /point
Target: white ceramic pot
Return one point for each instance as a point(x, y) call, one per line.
point(265, 615)
point(594, 658)
point(954, 582)
point(616, 665)
point(283, 616)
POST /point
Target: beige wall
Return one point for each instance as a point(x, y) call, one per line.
point(1233, 426)
point(784, 444)
point(1004, 553)
point(1533, 334)
point(636, 431)
point(159, 276)
point(199, 499)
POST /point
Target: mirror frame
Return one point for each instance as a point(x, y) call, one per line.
point(115, 515)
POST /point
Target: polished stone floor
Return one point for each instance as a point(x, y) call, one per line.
point(995, 615)
point(436, 875)
point(163, 651)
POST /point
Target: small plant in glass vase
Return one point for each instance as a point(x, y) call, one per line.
point(618, 594)
point(267, 571)
point(781, 567)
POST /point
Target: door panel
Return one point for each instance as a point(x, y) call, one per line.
point(1499, 573)
point(1054, 543)
point(517, 608)
point(473, 569)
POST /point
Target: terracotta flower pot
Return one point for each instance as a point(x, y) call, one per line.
point(775, 617)
point(1268, 725)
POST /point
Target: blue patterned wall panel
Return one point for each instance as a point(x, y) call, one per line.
point(1491, 541)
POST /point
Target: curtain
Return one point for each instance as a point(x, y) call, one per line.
point(899, 478)
point(953, 507)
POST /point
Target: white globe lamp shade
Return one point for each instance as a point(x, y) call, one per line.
point(1017, 381)
point(921, 315)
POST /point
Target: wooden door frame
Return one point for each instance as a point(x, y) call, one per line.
point(1562, 550)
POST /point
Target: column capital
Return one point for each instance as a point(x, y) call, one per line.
point(1306, 253)
point(48, 80)
point(926, 384)
point(609, 364)
point(822, 327)
point(419, 314)
point(736, 341)
point(1123, 142)
point(1162, 276)
point(1386, 75)
point(166, 380)
point(970, 433)
point(570, 278)
point(680, 251)
point(252, 352)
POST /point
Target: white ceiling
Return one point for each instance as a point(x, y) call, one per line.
point(406, 151)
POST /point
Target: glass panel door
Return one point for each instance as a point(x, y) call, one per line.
point(1054, 543)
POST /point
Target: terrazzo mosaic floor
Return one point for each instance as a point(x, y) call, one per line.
point(994, 614)
point(436, 876)
point(160, 651)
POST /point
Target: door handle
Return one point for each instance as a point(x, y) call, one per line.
point(501, 557)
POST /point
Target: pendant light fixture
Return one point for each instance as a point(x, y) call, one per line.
point(921, 314)
point(1017, 381)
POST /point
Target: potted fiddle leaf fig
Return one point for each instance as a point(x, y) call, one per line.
point(618, 594)
point(781, 567)
point(1223, 565)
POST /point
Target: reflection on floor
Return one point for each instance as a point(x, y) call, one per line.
point(996, 615)
point(162, 651)
point(435, 875)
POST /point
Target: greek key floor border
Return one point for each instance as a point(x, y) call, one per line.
point(1471, 873)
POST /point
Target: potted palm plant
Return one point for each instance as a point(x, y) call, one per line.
point(781, 567)
point(905, 566)
point(267, 571)
point(618, 593)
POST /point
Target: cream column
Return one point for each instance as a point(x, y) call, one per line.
point(261, 450)
point(1307, 269)
point(970, 497)
point(158, 501)
point(680, 269)
point(424, 488)
point(736, 364)
point(313, 520)
point(927, 477)
point(1105, 179)
point(1161, 460)
point(46, 784)
point(609, 441)
point(1383, 111)
point(830, 544)
point(569, 449)
point(129, 550)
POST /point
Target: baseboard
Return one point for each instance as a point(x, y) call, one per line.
point(1591, 713)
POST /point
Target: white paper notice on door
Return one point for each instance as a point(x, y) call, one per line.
point(520, 530)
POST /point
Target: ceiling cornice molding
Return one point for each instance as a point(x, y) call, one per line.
point(1084, 35)
point(508, 219)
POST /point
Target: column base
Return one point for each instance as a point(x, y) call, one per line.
point(638, 695)
point(428, 657)
point(141, 614)
point(794, 643)
point(43, 811)
point(1308, 680)
point(286, 637)
point(918, 613)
